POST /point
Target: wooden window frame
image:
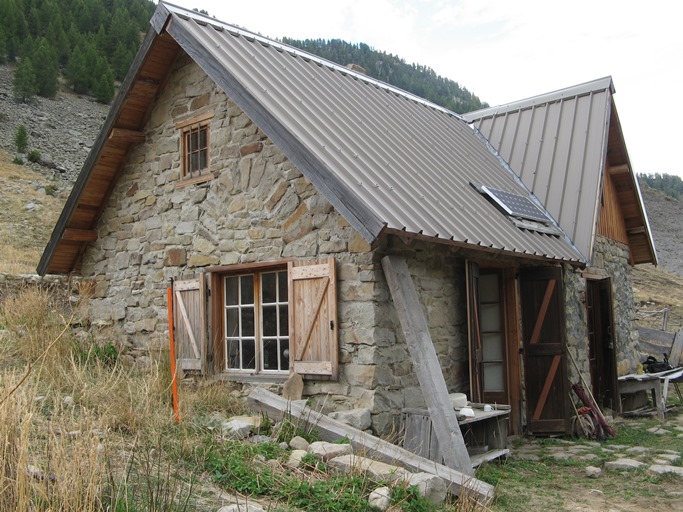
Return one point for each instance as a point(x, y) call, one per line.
point(313, 327)
point(219, 276)
point(195, 124)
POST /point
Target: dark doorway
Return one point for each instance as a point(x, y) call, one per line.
point(601, 339)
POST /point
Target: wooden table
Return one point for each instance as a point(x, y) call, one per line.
point(633, 383)
point(485, 434)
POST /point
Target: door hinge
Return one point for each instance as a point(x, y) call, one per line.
point(331, 325)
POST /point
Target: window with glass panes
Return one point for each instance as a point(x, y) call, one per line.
point(196, 149)
point(256, 322)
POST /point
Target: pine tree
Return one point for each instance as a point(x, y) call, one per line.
point(24, 84)
point(82, 64)
point(21, 139)
point(3, 46)
point(45, 68)
point(103, 87)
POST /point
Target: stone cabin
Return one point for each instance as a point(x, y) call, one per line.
point(265, 185)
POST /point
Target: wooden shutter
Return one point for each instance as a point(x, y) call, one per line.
point(313, 318)
point(545, 368)
point(189, 322)
point(474, 330)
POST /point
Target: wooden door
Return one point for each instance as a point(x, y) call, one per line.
point(313, 318)
point(544, 339)
point(190, 323)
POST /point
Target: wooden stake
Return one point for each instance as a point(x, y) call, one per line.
point(174, 383)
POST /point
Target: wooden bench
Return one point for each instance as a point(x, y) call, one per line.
point(485, 434)
point(634, 382)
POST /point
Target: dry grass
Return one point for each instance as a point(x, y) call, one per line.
point(76, 431)
point(655, 289)
point(25, 233)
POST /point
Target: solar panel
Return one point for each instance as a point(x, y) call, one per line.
point(516, 205)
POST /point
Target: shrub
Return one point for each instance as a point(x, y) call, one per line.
point(33, 155)
point(17, 161)
point(21, 139)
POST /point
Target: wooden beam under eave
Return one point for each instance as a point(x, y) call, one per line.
point(618, 169)
point(124, 135)
point(79, 235)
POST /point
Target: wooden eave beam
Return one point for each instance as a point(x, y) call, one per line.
point(618, 169)
point(127, 136)
point(79, 235)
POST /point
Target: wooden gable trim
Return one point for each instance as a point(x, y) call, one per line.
point(116, 136)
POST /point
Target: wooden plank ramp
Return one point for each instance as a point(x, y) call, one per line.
point(330, 430)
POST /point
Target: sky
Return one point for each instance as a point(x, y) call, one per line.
point(508, 50)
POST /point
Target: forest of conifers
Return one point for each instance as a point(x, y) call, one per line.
point(91, 43)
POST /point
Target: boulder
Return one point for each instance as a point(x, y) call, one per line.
point(430, 486)
point(593, 472)
point(295, 457)
point(623, 464)
point(380, 498)
point(326, 451)
point(299, 443)
point(373, 468)
point(356, 418)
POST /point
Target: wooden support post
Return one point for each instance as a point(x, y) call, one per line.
point(330, 430)
point(426, 364)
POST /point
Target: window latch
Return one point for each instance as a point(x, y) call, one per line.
point(331, 325)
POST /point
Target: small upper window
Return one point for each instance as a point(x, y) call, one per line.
point(196, 149)
point(195, 146)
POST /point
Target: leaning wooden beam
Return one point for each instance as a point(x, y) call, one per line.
point(330, 430)
point(426, 364)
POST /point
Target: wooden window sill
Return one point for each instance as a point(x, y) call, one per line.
point(194, 180)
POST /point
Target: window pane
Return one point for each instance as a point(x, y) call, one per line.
point(248, 321)
point(233, 354)
point(232, 326)
point(247, 289)
point(270, 355)
point(493, 347)
point(284, 320)
point(248, 355)
point(490, 317)
point(488, 288)
point(284, 354)
point(268, 289)
point(269, 320)
point(282, 285)
point(202, 159)
point(231, 290)
point(202, 137)
point(493, 377)
point(194, 162)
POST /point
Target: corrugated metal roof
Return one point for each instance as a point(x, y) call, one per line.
point(388, 161)
point(557, 143)
point(384, 156)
